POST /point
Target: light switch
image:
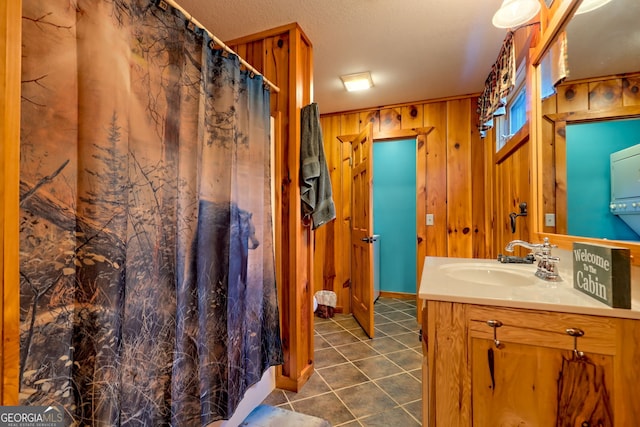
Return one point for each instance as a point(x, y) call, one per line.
point(550, 220)
point(429, 219)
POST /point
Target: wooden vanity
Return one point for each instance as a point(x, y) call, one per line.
point(521, 361)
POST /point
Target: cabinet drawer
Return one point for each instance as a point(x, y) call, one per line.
point(546, 329)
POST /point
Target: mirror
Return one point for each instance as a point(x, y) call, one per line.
point(595, 112)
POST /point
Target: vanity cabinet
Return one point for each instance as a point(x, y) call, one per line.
point(531, 372)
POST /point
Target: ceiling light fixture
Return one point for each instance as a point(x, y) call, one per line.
point(589, 5)
point(357, 81)
point(513, 13)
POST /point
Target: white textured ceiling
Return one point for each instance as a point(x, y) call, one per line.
point(415, 49)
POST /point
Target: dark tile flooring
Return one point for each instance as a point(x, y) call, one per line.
point(360, 381)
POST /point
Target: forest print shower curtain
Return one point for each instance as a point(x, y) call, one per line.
point(146, 256)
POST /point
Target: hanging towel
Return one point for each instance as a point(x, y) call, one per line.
point(315, 183)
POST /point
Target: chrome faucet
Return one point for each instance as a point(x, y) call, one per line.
point(547, 263)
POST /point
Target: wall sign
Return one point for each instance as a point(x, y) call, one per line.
point(603, 272)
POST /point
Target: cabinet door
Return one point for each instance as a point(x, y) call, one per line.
point(525, 385)
point(533, 377)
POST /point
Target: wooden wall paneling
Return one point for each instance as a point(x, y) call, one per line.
point(573, 97)
point(349, 124)
point(412, 116)
point(516, 172)
point(257, 51)
point(605, 94)
point(338, 254)
point(560, 141)
point(490, 181)
point(459, 202)
point(435, 115)
point(301, 63)
point(523, 191)
point(421, 208)
point(277, 70)
point(286, 57)
point(499, 207)
point(372, 117)
point(503, 206)
point(345, 224)
point(276, 65)
point(513, 187)
point(548, 158)
point(10, 55)
point(481, 191)
point(631, 91)
point(254, 50)
point(390, 119)
point(326, 255)
point(321, 238)
point(320, 261)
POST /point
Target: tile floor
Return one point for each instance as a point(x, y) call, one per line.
point(360, 381)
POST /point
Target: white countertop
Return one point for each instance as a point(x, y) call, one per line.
point(437, 284)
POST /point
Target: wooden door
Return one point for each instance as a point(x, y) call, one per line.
point(362, 230)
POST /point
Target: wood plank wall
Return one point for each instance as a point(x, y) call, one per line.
point(610, 97)
point(10, 61)
point(285, 56)
point(513, 186)
point(452, 184)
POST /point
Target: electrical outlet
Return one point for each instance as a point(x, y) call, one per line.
point(550, 220)
point(429, 219)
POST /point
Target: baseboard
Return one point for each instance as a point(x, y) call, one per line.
point(398, 295)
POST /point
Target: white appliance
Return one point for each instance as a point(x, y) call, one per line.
point(625, 186)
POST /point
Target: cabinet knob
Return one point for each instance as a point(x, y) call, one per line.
point(575, 332)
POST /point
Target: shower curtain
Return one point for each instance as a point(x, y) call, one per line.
point(146, 256)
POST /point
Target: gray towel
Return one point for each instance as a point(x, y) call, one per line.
point(315, 182)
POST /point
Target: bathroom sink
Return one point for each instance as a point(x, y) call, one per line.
point(487, 273)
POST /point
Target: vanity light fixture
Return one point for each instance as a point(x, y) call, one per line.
point(513, 13)
point(589, 5)
point(357, 81)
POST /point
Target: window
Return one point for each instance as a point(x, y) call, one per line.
point(515, 115)
point(517, 112)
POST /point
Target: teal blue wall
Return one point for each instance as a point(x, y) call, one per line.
point(588, 178)
point(394, 213)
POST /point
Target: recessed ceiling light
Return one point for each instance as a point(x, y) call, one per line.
point(357, 81)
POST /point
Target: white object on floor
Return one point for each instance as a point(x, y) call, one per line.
point(267, 416)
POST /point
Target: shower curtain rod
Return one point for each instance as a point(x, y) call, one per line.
point(217, 41)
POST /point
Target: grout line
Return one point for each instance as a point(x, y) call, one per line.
point(388, 306)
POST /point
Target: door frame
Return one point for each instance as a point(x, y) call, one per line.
point(420, 134)
point(361, 230)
